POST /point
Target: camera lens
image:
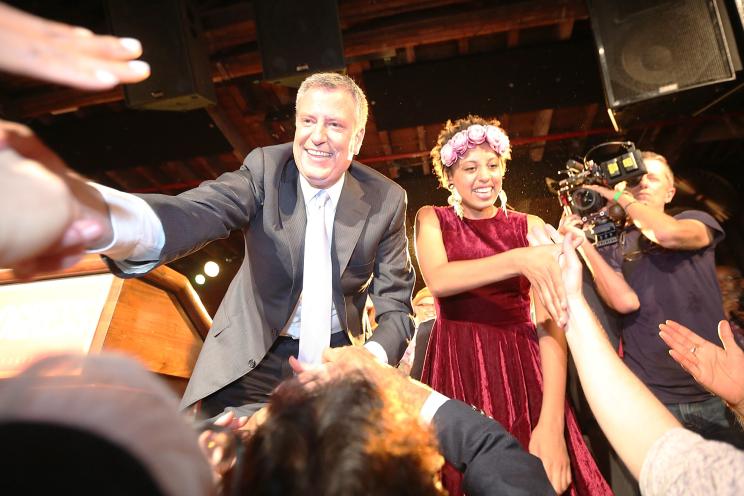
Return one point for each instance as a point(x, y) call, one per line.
point(586, 201)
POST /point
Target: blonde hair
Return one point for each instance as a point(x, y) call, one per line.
point(648, 155)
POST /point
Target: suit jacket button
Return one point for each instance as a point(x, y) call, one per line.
point(252, 363)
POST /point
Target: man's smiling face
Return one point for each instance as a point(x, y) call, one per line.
point(325, 139)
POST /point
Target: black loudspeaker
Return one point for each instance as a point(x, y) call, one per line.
point(297, 38)
point(170, 32)
point(650, 48)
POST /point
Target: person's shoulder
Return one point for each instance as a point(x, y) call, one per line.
point(707, 220)
point(532, 220)
point(273, 153)
point(698, 215)
point(426, 213)
point(267, 161)
point(370, 177)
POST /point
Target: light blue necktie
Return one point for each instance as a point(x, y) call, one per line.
point(315, 315)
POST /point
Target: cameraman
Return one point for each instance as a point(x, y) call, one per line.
point(663, 268)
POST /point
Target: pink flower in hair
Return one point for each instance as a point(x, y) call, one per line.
point(448, 155)
point(498, 140)
point(476, 134)
point(459, 143)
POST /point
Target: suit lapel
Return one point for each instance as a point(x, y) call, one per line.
point(292, 214)
point(351, 215)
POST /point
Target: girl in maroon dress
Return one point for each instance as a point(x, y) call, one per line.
point(485, 348)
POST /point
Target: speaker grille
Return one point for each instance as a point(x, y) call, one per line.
point(656, 47)
point(169, 30)
point(298, 38)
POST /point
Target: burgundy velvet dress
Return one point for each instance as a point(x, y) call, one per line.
point(484, 351)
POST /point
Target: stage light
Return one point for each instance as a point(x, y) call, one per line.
point(211, 269)
point(200, 279)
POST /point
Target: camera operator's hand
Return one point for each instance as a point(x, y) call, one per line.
point(607, 193)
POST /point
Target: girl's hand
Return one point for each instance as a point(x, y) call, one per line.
point(548, 444)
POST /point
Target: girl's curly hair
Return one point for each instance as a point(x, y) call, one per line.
point(450, 129)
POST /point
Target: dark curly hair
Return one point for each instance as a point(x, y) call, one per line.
point(343, 438)
point(450, 129)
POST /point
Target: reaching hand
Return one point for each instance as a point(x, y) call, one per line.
point(550, 447)
point(571, 223)
point(571, 268)
point(547, 236)
point(56, 215)
point(228, 420)
point(219, 445)
point(719, 370)
point(64, 54)
point(339, 362)
point(540, 267)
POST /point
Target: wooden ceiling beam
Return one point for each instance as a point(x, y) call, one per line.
point(203, 168)
point(229, 130)
point(541, 127)
point(153, 175)
point(236, 25)
point(120, 180)
point(396, 34)
point(544, 117)
point(449, 27)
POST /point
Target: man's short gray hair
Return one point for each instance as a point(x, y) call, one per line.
point(333, 81)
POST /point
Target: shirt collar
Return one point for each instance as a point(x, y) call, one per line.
point(334, 192)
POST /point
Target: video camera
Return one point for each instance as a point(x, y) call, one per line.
point(624, 164)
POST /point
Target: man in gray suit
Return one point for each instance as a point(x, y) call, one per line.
point(258, 324)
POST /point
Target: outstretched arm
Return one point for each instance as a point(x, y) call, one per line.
point(719, 370)
point(628, 413)
point(56, 214)
point(36, 237)
point(610, 283)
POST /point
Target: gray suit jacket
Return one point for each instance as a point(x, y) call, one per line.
point(263, 199)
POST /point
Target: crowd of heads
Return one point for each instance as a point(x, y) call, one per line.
point(344, 437)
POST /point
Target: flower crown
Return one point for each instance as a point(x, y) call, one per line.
point(459, 144)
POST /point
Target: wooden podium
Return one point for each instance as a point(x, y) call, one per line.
point(157, 318)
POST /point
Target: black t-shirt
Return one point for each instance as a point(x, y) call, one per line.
point(678, 285)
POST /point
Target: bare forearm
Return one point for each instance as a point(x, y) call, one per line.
point(553, 359)
point(665, 229)
point(611, 286)
point(26, 188)
point(628, 413)
point(455, 277)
